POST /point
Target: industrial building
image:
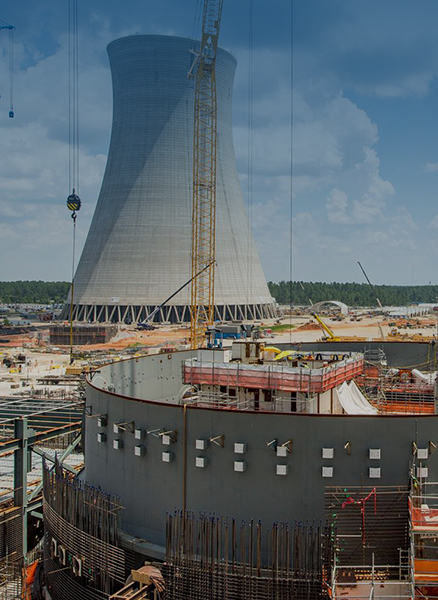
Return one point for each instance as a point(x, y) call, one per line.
point(138, 248)
point(213, 461)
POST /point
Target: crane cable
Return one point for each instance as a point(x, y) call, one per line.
point(291, 168)
point(73, 200)
point(249, 190)
point(11, 72)
point(10, 28)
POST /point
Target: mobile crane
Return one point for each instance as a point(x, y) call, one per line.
point(329, 335)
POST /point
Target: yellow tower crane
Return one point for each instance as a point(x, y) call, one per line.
point(204, 175)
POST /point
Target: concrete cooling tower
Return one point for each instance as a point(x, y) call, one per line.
point(137, 252)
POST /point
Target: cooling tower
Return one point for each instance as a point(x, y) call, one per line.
point(137, 252)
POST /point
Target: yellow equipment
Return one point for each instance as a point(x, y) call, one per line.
point(286, 354)
point(272, 349)
point(329, 335)
point(204, 175)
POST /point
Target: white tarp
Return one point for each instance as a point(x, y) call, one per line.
point(353, 401)
point(420, 377)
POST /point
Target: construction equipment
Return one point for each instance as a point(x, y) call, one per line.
point(382, 335)
point(204, 174)
point(371, 285)
point(329, 335)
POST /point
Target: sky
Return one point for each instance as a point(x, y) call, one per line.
point(334, 119)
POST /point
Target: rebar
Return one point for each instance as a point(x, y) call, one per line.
point(85, 521)
point(209, 558)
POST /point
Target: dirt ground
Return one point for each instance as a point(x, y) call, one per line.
point(303, 329)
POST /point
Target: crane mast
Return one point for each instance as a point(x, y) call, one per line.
point(204, 175)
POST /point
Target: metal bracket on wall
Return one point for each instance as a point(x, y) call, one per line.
point(126, 426)
point(91, 374)
point(172, 434)
point(218, 440)
point(89, 413)
point(287, 445)
point(273, 444)
point(414, 448)
point(432, 447)
point(347, 447)
point(154, 432)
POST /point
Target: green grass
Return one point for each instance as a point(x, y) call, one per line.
point(283, 327)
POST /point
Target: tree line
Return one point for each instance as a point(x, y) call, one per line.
point(353, 294)
point(285, 292)
point(33, 292)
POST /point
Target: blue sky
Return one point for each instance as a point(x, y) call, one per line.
point(363, 91)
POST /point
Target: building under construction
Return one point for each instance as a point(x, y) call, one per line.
point(81, 334)
point(216, 467)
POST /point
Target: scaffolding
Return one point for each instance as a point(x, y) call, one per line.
point(394, 391)
point(370, 530)
point(423, 513)
point(28, 426)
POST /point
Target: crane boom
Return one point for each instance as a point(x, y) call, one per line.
point(371, 285)
point(326, 329)
point(204, 175)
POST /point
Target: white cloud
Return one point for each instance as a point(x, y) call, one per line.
point(430, 167)
point(336, 205)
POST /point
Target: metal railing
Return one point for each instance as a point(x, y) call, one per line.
point(372, 582)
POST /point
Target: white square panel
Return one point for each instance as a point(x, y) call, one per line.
point(374, 473)
point(422, 453)
point(239, 466)
point(282, 451)
point(166, 440)
point(139, 450)
point(201, 462)
point(101, 437)
point(327, 471)
point(422, 472)
point(239, 448)
point(117, 444)
point(166, 457)
point(116, 428)
point(102, 421)
point(328, 452)
point(374, 453)
point(138, 434)
point(282, 469)
point(201, 444)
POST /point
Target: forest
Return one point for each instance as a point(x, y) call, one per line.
point(285, 292)
point(353, 294)
point(33, 292)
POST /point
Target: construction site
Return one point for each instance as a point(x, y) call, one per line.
point(178, 435)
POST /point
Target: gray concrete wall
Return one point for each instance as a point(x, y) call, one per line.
point(149, 487)
point(138, 247)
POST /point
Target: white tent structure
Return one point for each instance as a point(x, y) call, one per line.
point(353, 401)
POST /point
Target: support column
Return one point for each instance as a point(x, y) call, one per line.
point(21, 468)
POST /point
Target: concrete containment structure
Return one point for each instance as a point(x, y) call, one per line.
point(137, 252)
point(147, 394)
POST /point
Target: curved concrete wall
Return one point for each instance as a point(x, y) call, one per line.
point(149, 487)
point(138, 248)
